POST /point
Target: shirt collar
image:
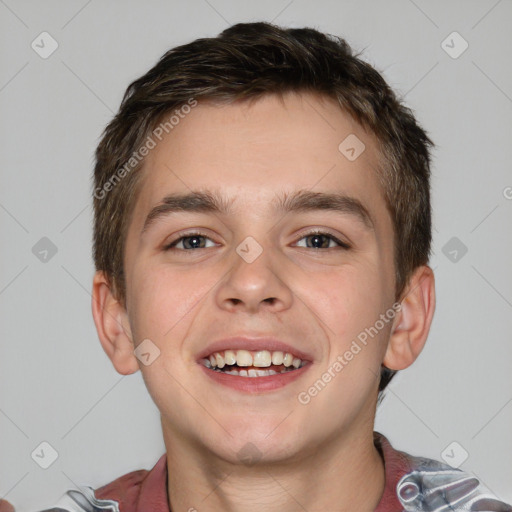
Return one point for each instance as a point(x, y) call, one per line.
point(153, 492)
point(396, 464)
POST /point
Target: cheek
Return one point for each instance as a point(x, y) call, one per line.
point(161, 299)
point(347, 301)
point(162, 306)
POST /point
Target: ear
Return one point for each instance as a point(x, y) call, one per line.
point(412, 323)
point(113, 327)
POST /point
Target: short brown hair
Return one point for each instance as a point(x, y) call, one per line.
point(247, 61)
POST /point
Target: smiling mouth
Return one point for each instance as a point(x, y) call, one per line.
point(245, 363)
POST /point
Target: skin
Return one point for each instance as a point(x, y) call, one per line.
point(322, 299)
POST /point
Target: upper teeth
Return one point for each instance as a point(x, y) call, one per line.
point(260, 358)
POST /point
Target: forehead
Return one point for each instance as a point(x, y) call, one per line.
point(253, 150)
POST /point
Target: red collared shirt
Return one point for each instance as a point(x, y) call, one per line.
point(412, 484)
point(144, 490)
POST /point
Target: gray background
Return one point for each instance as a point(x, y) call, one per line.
point(58, 386)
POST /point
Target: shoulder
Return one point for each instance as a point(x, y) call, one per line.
point(125, 489)
point(123, 494)
point(423, 484)
point(433, 486)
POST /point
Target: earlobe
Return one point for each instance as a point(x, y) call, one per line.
point(112, 325)
point(412, 324)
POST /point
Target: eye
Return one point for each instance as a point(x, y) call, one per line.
point(322, 240)
point(197, 240)
point(189, 241)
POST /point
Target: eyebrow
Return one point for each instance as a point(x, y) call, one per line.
point(300, 201)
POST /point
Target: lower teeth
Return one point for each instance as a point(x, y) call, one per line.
point(253, 373)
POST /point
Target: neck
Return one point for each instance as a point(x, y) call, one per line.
point(343, 475)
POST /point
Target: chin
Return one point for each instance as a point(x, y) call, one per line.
point(255, 444)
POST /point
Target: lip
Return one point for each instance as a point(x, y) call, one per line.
point(255, 384)
point(253, 344)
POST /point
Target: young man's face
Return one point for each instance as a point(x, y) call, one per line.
point(257, 271)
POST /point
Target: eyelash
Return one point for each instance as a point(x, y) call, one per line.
point(171, 246)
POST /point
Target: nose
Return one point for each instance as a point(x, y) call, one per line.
point(254, 286)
